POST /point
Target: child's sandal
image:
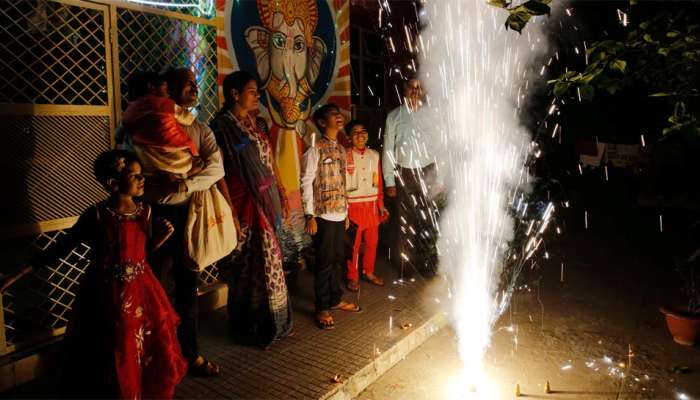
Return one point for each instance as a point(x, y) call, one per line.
point(375, 280)
point(324, 320)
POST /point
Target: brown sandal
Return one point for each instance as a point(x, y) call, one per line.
point(374, 279)
point(324, 320)
point(354, 285)
point(345, 306)
point(206, 369)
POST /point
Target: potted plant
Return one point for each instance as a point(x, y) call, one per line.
point(684, 322)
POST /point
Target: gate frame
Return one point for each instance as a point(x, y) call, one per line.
point(30, 109)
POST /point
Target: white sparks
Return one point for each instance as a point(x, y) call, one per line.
point(480, 69)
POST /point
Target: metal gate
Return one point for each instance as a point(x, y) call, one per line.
point(62, 75)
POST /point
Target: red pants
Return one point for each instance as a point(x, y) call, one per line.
point(366, 216)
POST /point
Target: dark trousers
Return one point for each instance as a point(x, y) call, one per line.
point(169, 261)
point(418, 235)
point(329, 243)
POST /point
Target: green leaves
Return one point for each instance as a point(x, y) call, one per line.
point(517, 20)
point(520, 15)
point(587, 92)
point(682, 122)
point(560, 88)
point(660, 56)
point(618, 65)
point(536, 7)
point(647, 38)
point(499, 3)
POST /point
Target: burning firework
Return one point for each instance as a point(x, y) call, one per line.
point(476, 74)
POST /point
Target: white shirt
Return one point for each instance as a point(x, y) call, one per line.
point(309, 167)
point(408, 141)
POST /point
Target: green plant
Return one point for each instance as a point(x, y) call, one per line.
point(661, 57)
point(520, 15)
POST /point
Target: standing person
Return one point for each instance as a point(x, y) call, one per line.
point(326, 211)
point(408, 140)
point(363, 179)
point(121, 339)
point(258, 301)
point(172, 198)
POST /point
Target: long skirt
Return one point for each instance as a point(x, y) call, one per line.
point(258, 302)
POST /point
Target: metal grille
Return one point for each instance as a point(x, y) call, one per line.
point(55, 285)
point(51, 158)
point(154, 42)
point(8, 309)
point(43, 300)
point(52, 53)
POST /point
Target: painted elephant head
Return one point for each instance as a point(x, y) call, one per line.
point(287, 55)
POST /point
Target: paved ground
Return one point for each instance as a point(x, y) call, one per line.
point(302, 366)
point(576, 334)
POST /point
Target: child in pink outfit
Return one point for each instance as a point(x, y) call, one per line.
point(363, 179)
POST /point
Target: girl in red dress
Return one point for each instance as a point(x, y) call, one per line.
point(121, 340)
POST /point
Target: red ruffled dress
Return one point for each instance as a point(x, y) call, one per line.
point(122, 337)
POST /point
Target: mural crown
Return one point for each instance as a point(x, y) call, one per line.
point(305, 10)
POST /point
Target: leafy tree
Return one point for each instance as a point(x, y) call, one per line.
point(660, 55)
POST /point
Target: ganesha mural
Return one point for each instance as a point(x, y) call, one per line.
point(288, 57)
point(300, 51)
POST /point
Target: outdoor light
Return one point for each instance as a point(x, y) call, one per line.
point(206, 7)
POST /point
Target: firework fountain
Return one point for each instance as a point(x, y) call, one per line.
point(476, 74)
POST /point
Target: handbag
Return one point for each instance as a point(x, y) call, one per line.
point(210, 234)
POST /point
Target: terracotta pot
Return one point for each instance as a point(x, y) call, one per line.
point(684, 326)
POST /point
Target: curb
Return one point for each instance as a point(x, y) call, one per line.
point(358, 382)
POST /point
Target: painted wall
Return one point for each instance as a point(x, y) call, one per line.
point(300, 52)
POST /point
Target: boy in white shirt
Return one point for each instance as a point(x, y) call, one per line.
point(326, 211)
point(366, 203)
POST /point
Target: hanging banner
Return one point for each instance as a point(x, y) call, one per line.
point(300, 52)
